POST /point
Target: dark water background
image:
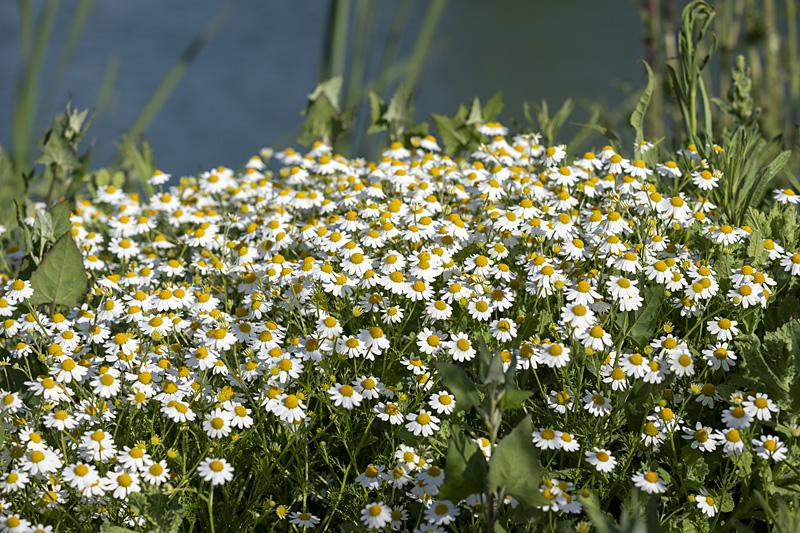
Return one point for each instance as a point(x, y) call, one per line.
point(249, 84)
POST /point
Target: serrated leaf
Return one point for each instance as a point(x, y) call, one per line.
point(515, 466)
point(493, 106)
point(643, 320)
point(60, 278)
point(637, 117)
point(465, 468)
point(456, 380)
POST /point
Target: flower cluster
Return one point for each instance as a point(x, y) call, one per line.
point(295, 316)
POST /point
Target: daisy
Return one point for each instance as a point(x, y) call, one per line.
point(554, 355)
point(424, 423)
point(441, 512)
point(290, 408)
point(460, 347)
point(156, 473)
point(372, 477)
point(706, 503)
point(703, 438)
point(597, 404)
point(601, 459)
point(216, 471)
point(649, 482)
point(80, 476)
point(769, 447)
point(547, 439)
point(442, 403)
point(18, 290)
point(719, 357)
point(724, 328)
point(305, 520)
point(376, 515)
point(123, 483)
point(345, 396)
point(791, 262)
point(389, 412)
point(503, 330)
point(705, 180)
point(736, 417)
point(217, 424)
point(760, 406)
point(785, 196)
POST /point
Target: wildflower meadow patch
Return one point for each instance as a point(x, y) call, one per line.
point(485, 331)
point(522, 338)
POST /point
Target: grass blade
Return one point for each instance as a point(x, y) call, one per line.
point(176, 72)
point(25, 102)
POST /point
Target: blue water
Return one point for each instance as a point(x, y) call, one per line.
point(248, 85)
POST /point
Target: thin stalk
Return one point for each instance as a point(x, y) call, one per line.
point(28, 88)
point(176, 72)
point(76, 29)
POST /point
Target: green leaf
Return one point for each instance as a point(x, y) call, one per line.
point(513, 398)
point(637, 117)
point(377, 109)
point(400, 107)
point(108, 527)
point(57, 151)
point(60, 214)
point(465, 468)
point(328, 89)
point(490, 365)
point(456, 380)
point(451, 132)
point(515, 466)
point(644, 319)
point(757, 188)
point(493, 106)
point(475, 114)
point(60, 278)
point(42, 228)
point(755, 248)
point(161, 514)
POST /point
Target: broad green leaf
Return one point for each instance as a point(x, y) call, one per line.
point(475, 114)
point(450, 130)
point(515, 466)
point(399, 106)
point(329, 89)
point(490, 365)
point(60, 214)
point(60, 278)
point(465, 468)
point(377, 108)
point(42, 228)
point(513, 398)
point(456, 380)
point(108, 527)
point(493, 106)
point(56, 151)
point(637, 117)
point(643, 320)
point(162, 515)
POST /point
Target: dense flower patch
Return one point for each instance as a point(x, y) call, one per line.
point(269, 340)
